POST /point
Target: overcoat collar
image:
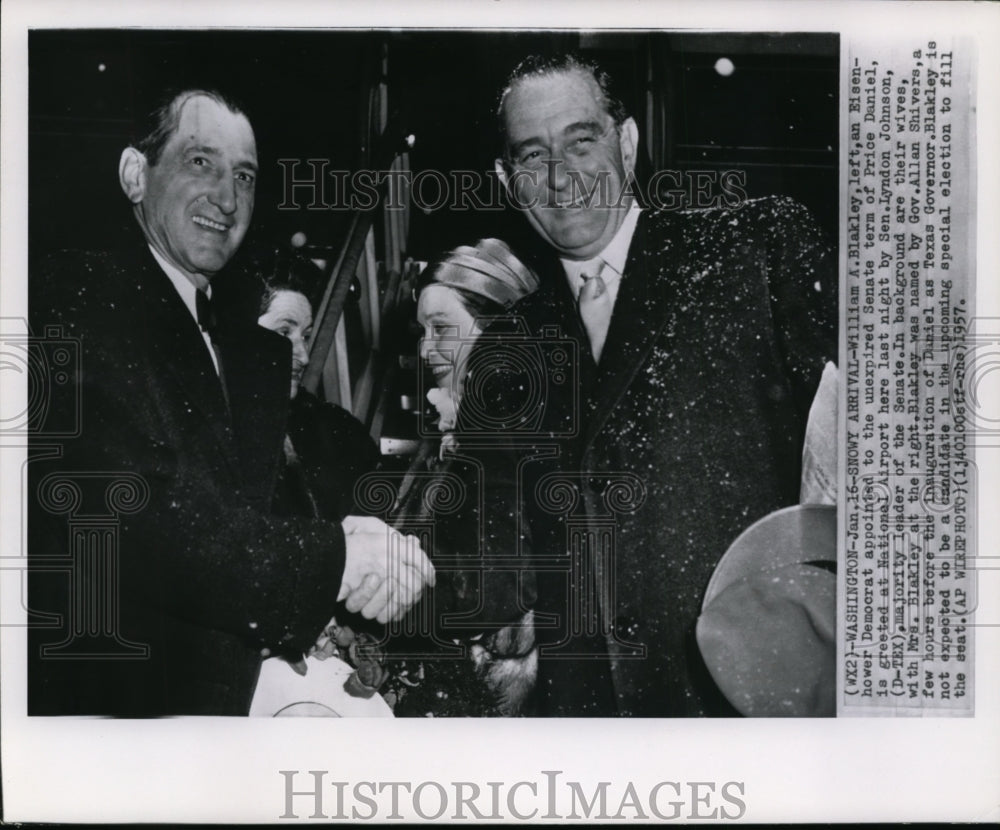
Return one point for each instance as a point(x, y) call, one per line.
point(175, 344)
point(256, 364)
point(644, 311)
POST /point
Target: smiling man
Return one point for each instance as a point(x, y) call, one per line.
point(193, 196)
point(570, 154)
point(701, 338)
point(190, 580)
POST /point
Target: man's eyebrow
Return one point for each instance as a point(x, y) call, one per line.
point(584, 126)
point(589, 126)
point(208, 150)
point(204, 149)
point(516, 149)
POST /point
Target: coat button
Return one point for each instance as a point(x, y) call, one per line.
point(265, 652)
point(253, 626)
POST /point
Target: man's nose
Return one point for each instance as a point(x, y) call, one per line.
point(557, 174)
point(425, 348)
point(224, 195)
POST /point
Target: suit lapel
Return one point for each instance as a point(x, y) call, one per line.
point(176, 345)
point(645, 308)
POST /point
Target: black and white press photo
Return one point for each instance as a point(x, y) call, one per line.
point(522, 414)
point(465, 383)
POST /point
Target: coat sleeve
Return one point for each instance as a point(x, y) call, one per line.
point(189, 543)
point(336, 451)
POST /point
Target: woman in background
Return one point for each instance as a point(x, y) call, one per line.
point(327, 449)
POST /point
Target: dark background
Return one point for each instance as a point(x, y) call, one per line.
point(308, 96)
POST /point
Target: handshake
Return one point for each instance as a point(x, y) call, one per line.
point(385, 572)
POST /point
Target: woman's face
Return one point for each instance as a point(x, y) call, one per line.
point(449, 330)
point(290, 315)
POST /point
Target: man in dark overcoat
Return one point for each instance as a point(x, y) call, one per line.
point(160, 579)
point(698, 337)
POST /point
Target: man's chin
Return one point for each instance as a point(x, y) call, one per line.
point(575, 243)
point(573, 248)
point(209, 263)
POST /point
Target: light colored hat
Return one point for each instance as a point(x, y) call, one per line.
point(488, 268)
point(768, 622)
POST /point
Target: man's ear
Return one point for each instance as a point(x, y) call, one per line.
point(501, 171)
point(629, 142)
point(132, 174)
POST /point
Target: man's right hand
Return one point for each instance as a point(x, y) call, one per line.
point(385, 572)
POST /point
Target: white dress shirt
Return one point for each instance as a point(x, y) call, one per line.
point(614, 257)
point(187, 291)
point(609, 263)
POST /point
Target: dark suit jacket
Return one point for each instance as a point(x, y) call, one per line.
point(646, 468)
point(167, 585)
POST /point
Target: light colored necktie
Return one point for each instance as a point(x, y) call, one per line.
point(595, 308)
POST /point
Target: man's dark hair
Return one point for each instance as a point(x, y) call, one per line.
point(162, 122)
point(542, 66)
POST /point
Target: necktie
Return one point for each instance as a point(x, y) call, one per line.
point(209, 324)
point(206, 313)
point(594, 304)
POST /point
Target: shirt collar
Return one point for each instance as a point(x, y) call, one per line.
point(182, 284)
point(615, 253)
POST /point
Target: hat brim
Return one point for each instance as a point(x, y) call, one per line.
point(768, 622)
point(800, 533)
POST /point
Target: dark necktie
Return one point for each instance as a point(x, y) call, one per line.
point(206, 313)
point(209, 323)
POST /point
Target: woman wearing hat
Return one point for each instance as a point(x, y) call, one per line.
point(456, 298)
